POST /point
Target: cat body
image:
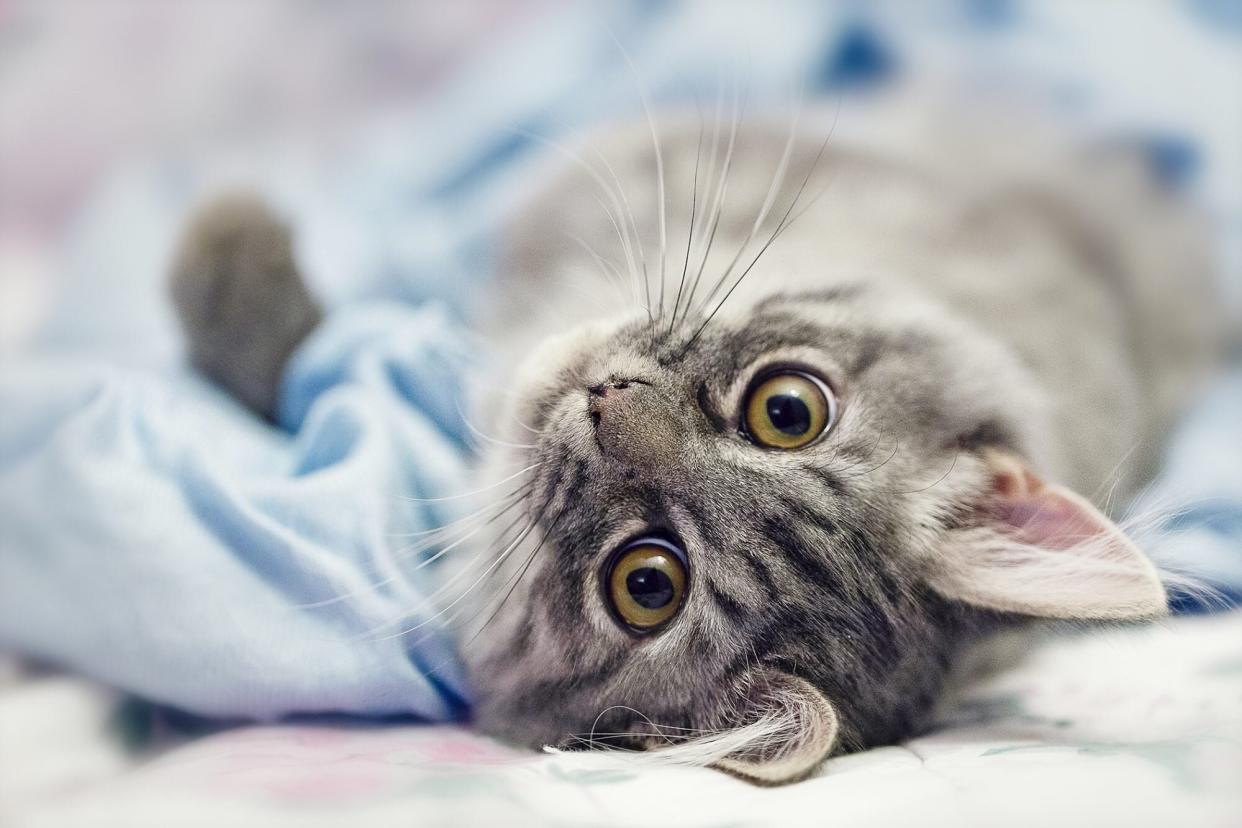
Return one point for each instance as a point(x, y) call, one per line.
point(973, 331)
point(968, 287)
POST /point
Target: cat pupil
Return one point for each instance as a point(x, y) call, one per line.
point(789, 414)
point(650, 588)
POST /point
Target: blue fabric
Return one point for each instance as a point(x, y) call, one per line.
point(156, 537)
point(1200, 489)
point(157, 540)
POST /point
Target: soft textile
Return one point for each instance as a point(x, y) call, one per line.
point(157, 538)
point(1132, 728)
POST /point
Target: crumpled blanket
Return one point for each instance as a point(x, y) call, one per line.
point(156, 537)
point(157, 541)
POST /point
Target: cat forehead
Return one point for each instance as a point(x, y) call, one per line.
point(733, 341)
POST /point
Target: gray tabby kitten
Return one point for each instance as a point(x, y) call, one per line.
point(768, 461)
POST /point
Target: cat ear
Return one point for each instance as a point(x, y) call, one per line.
point(1040, 549)
point(795, 729)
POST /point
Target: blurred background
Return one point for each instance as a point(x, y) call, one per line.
point(388, 128)
point(396, 136)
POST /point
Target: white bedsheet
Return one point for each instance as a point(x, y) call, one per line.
point(1131, 727)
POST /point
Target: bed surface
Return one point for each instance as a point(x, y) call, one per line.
point(1130, 727)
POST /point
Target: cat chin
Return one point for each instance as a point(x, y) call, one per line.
point(782, 731)
point(790, 728)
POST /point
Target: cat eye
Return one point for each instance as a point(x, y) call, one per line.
point(646, 583)
point(788, 409)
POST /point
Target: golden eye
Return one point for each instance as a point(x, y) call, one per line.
point(647, 583)
point(789, 409)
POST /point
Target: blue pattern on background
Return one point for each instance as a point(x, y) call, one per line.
point(859, 59)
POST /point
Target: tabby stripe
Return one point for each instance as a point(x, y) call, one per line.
point(786, 540)
point(705, 405)
point(761, 572)
point(869, 352)
point(544, 694)
point(808, 514)
point(838, 293)
point(727, 604)
point(554, 480)
point(830, 480)
point(577, 482)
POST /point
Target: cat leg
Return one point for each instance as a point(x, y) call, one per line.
point(241, 301)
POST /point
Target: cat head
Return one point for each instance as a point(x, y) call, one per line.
point(767, 535)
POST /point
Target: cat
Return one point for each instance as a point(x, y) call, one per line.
point(787, 418)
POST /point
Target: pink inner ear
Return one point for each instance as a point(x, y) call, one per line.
point(1045, 515)
point(1054, 521)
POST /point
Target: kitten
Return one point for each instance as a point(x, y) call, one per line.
point(776, 459)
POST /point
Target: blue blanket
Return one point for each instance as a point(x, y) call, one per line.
point(156, 537)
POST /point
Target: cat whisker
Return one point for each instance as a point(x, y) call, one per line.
point(452, 617)
point(483, 436)
point(694, 203)
point(440, 553)
point(775, 235)
point(778, 180)
point(619, 202)
point(529, 428)
point(773, 729)
point(813, 200)
point(659, 156)
point(593, 735)
point(516, 580)
point(931, 485)
point(500, 482)
point(610, 272)
point(721, 194)
point(508, 502)
point(1113, 479)
point(882, 464)
point(431, 599)
point(516, 493)
point(700, 226)
point(632, 226)
point(781, 226)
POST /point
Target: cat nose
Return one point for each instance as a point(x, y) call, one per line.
point(610, 387)
point(633, 423)
point(604, 399)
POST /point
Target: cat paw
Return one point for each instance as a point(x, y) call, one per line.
point(240, 298)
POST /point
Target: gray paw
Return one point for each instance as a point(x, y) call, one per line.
point(240, 298)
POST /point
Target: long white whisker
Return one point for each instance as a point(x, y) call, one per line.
point(476, 491)
point(694, 204)
point(432, 618)
point(781, 226)
point(529, 428)
point(479, 433)
point(778, 182)
point(620, 203)
point(627, 214)
point(435, 536)
point(466, 519)
point(659, 155)
point(610, 272)
point(721, 193)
